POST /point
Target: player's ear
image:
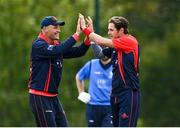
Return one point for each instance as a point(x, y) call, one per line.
point(45, 29)
point(121, 30)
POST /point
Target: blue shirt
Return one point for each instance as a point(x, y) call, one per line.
point(100, 81)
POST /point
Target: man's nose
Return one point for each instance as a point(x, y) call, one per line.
point(58, 30)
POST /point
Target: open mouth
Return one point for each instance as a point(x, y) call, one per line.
point(56, 34)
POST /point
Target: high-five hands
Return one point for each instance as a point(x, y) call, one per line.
point(90, 23)
point(83, 23)
point(78, 29)
point(87, 29)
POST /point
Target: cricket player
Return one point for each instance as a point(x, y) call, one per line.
point(47, 56)
point(124, 52)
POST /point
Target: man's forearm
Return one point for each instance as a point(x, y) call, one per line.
point(97, 50)
point(79, 84)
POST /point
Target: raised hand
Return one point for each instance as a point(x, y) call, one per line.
point(78, 29)
point(82, 21)
point(90, 23)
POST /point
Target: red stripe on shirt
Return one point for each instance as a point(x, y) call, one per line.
point(30, 78)
point(41, 93)
point(126, 44)
point(121, 66)
point(48, 79)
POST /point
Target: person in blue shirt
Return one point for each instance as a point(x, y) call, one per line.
point(99, 73)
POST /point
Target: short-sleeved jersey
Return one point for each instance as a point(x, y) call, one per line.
point(125, 59)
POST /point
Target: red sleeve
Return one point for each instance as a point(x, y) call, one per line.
point(75, 36)
point(125, 43)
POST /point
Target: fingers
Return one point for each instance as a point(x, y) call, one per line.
point(78, 29)
point(89, 20)
point(90, 23)
point(83, 22)
point(81, 16)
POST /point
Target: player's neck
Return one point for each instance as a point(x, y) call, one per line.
point(105, 62)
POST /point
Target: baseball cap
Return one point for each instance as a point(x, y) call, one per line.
point(51, 20)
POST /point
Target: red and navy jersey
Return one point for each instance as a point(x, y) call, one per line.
point(47, 62)
point(125, 59)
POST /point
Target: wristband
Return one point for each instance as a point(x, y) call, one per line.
point(76, 36)
point(87, 31)
point(87, 42)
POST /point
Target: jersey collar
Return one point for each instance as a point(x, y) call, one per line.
point(46, 40)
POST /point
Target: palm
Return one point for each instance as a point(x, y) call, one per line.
point(82, 21)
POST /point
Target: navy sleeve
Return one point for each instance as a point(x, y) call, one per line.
point(76, 51)
point(97, 50)
point(44, 50)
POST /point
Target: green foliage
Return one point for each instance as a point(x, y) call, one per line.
point(160, 81)
point(155, 23)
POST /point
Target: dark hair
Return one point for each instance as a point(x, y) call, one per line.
point(120, 22)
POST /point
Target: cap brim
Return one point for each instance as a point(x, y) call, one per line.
point(61, 23)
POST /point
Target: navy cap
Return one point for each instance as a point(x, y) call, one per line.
point(51, 20)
